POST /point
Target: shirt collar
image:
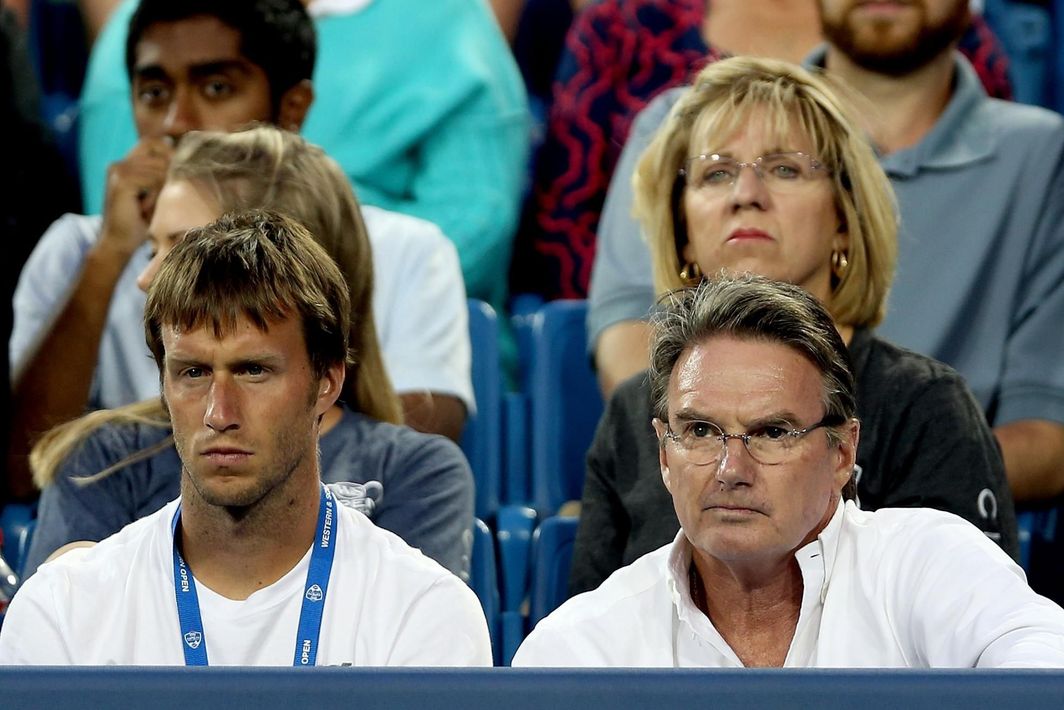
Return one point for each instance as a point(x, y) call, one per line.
point(961, 136)
point(323, 8)
point(816, 561)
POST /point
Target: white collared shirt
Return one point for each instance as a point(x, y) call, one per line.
point(894, 588)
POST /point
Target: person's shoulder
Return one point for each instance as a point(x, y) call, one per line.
point(109, 559)
point(71, 230)
point(653, 114)
point(110, 443)
point(907, 368)
point(636, 388)
point(916, 529)
point(619, 597)
point(384, 555)
point(396, 443)
point(134, 435)
point(630, 401)
point(396, 232)
point(608, 626)
point(1022, 118)
point(1036, 131)
point(897, 543)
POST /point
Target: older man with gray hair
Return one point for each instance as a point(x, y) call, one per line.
point(775, 564)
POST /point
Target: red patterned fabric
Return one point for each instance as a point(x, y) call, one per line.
point(620, 54)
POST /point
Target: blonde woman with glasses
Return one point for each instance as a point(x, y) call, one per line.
point(761, 168)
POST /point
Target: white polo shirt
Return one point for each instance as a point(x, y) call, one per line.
point(913, 587)
point(113, 604)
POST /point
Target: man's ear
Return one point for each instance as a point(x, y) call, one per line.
point(329, 387)
point(663, 461)
point(295, 103)
point(850, 432)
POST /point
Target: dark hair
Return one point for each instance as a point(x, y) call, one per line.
point(259, 265)
point(276, 35)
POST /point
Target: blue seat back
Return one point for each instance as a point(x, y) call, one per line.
point(564, 401)
point(1026, 31)
point(14, 520)
point(552, 554)
point(25, 539)
point(484, 580)
point(482, 438)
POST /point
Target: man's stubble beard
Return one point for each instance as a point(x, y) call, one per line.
point(267, 484)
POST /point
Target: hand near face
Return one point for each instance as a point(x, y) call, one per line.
point(133, 184)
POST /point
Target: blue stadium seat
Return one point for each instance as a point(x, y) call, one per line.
point(1025, 29)
point(482, 438)
point(24, 539)
point(483, 579)
point(1040, 550)
point(552, 553)
point(515, 526)
point(517, 449)
point(14, 519)
point(564, 404)
point(1025, 525)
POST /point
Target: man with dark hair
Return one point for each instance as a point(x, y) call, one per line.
point(275, 36)
point(257, 562)
point(205, 66)
point(775, 565)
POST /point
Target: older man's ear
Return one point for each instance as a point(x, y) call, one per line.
point(659, 429)
point(850, 433)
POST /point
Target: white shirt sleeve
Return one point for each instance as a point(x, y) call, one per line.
point(419, 304)
point(966, 603)
point(46, 282)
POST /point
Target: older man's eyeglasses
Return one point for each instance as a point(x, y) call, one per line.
point(703, 443)
point(780, 172)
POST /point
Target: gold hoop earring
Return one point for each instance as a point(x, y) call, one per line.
point(691, 274)
point(839, 263)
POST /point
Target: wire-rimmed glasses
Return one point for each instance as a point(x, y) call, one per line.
point(703, 443)
point(713, 173)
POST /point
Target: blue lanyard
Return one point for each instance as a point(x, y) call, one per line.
point(321, 559)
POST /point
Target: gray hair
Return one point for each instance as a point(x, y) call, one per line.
point(752, 308)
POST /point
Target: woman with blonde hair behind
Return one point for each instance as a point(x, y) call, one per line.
point(761, 168)
point(103, 471)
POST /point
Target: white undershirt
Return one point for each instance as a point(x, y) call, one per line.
point(257, 631)
point(321, 8)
